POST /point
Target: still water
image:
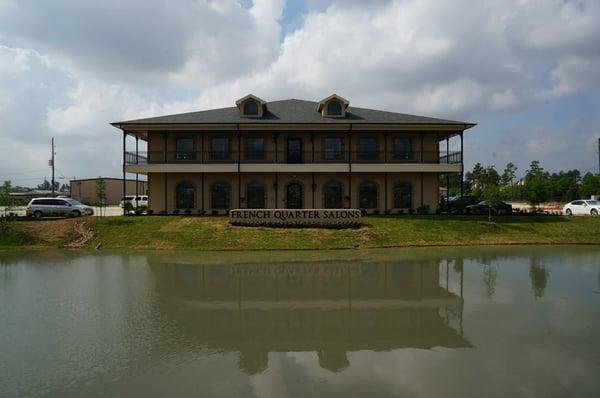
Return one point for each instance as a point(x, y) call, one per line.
point(495, 321)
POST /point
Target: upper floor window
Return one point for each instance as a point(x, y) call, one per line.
point(255, 148)
point(402, 148)
point(333, 148)
point(219, 148)
point(250, 108)
point(184, 148)
point(367, 148)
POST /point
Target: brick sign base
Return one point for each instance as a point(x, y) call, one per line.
point(289, 218)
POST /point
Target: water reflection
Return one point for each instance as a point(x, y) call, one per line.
point(328, 308)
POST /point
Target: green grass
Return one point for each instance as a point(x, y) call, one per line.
point(214, 233)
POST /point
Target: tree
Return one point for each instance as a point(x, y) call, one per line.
point(535, 190)
point(590, 185)
point(101, 194)
point(490, 190)
point(508, 175)
point(5, 199)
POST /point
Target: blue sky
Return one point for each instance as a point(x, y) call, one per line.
point(527, 71)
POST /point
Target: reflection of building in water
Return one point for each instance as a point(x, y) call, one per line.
point(327, 308)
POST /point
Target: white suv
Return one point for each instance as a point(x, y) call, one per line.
point(57, 207)
point(582, 207)
point(135, 201)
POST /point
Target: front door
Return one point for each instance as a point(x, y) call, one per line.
point(294, 196)
point(294, 150)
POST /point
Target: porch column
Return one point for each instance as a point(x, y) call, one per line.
point(422, 189)
point(385, 193)
point(239, 158)
point(166, 195)
point(137, 139)
point(124, 177)
point(462, 166)
point(202, 191)
point(313, 189)
point(350, 167)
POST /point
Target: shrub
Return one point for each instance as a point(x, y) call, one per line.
point(188, 211)
point(200, 212)
point(423, 209)
point(176, 211)
point(162, 212)
point(411, 211)
point(150, 212)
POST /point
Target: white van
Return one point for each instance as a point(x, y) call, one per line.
point(136, 201)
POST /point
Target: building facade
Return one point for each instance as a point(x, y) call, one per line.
point(84, 190)
point(292, 154)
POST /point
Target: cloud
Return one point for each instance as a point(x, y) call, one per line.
point(68, 68)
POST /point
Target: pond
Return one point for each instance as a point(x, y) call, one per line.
point(454, 322)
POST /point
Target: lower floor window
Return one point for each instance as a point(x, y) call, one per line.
point(184, 196)
point(367, 195)
point(255, 195)
point(402, 195)
point(220, 195)
point(332, 195)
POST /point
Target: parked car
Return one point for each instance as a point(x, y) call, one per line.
point(57, 207)
point(135, 201)
point(591, 207)
point(497, 208)
point(456, 203)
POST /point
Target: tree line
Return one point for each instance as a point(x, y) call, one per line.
point(537, 186)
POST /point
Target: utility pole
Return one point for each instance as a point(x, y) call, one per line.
point(598, 155)
point(52, 164)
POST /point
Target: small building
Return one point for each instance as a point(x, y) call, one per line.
point(293, 154)
point(84, 190)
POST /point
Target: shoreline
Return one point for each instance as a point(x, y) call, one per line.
point(215, 234)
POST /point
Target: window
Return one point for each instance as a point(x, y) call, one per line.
point(255, 148)
point(402, 196)
point(255, 195)
point(251, 108)
point(367, 148)
point(219, 148)
point(577, 202)
point(294, 196)
point(402, 148)
point(334, 108)
point(332, 195)
point(184, 196)
point(184, 148)
point(332, 148)
point(367, 195)
point(220, 195)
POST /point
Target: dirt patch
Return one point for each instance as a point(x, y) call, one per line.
point(81, 235)
point(49, 231)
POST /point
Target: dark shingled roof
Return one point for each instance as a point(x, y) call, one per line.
point(292, 111)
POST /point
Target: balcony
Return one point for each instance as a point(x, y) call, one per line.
point(283, 157)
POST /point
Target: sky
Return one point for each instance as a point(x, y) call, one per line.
point(527, 71)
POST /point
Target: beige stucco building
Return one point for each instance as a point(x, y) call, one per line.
point(84, 190)
point(292, 154)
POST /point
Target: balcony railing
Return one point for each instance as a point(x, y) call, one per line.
point(232, 157)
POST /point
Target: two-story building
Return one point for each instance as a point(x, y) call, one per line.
point(292, 154)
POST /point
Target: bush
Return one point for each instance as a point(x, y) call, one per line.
point(411, 211)
point(200, 212)
point(176, 211)
point(423, 209)
point(150, 212)
point(188, 211)
point(127, 207)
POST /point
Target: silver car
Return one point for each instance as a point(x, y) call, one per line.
point(57, 207)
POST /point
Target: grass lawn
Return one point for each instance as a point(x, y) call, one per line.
point(214, 233)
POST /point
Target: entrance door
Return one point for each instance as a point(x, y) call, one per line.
point(294, 150)
point(294, 196)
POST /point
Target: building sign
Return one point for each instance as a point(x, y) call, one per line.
point(305, 218)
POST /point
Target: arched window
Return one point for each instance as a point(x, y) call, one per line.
point(220, 195)
point(255, 195)
point(184, 193)
point(250, 107)
point(402, 195)
point(294, 196)
point(367, 195)
point(334, 108)
point(332, 195)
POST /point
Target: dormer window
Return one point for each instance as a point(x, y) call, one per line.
point(251, 106)
point(333, 106)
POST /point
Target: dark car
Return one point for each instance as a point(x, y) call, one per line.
point(497, 208)
point(457, 204)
